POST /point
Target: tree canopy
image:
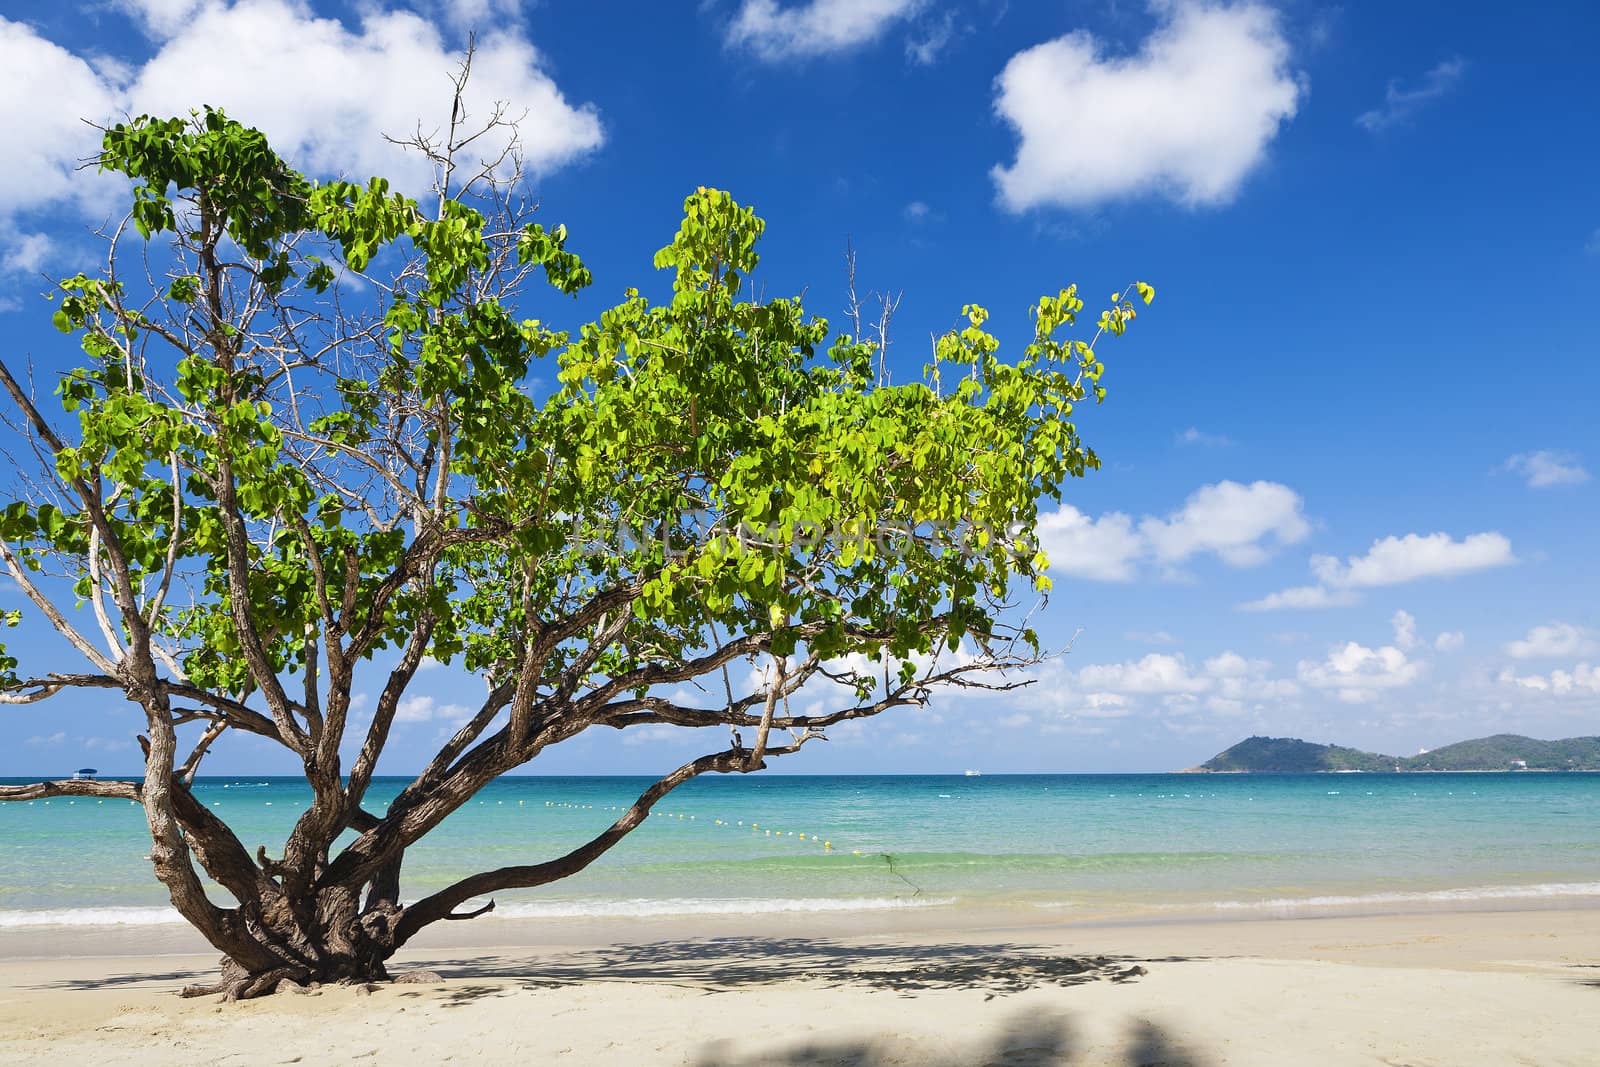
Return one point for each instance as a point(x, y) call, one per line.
point(314, 437)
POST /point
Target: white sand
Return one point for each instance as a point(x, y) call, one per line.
point(1447, 989)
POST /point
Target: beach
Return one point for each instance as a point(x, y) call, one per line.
point(1425, 988)
point(1055, 919)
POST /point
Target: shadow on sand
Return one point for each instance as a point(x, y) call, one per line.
point(717, 964)
point(1032, 1040)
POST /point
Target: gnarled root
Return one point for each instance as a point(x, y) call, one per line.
point(236, 983)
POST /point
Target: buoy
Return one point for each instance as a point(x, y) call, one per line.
point(802, 837)
point(827, 844)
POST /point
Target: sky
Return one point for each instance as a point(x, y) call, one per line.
point(1349, 489)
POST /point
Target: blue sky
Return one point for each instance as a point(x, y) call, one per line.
point(1348, 490)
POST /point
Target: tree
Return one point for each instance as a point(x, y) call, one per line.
point(312, 442)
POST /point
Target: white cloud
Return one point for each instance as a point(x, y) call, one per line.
point(1546, 468)
point(1302, 596)
point(1405, 630)
point(1104, 549)
point(1400, 104)
point(1155, 673)
point(325, 94)
point(1230, 520)
point(1390, 561)
point(1196, 436)
point(160, 17)
point(917, 211)
point(1357, 674)
point(1393, 560)
point(26, 254)
point(481, 15)
point(1449, 641)
point(415, 709)
point(1187, 117)
point(1151, 637)
point(52, 739)
point(1237, 523)
point(815, 28)
point(1581, 680)
point(924, 49)
point(45, 94)
point(1554, 640)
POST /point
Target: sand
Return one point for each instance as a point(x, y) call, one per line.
point(1446, 988)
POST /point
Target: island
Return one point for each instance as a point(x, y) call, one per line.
point(1501, 752)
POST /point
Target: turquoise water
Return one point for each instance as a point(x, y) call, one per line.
point(1078, 844)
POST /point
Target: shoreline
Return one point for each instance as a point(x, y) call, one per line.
point(47, 944)
point(1441, 988)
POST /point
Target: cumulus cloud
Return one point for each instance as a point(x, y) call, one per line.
point(1405, 630)
point(1357, 674)
point(1449, 641)
point(1187, 117)
point(775, 32)
point(1232, 521)
point(1302, 596)
point(1582, 679)
point(326, 95)
point(1399, 104)
point(1391, 561)
point(27, 254)
point(1545, 468)
point(1155, 673)
point(1394, 560)
point(1239, 524)
point(324, 92)
point(415, 709)
point(45, 94)
point(1555, 640)
point(1104, 549)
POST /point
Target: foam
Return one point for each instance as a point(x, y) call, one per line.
point(1432, 896)
point(555, 909)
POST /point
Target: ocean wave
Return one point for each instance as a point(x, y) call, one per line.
point(151, 916)
point(642, 907)
point(1428, 896)
point(650, 908)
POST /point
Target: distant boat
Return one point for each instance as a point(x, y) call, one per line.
point(84, 772)
point(973, 774)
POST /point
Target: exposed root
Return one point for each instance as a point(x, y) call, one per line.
point(236, 983)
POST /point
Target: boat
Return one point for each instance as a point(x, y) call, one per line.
point(973, 774)
point(83, 774)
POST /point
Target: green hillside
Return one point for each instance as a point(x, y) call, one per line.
point(1498, 753)
point(1502, 752)
point(1290, 755)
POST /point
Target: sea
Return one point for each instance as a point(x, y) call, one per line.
point(1067, 846)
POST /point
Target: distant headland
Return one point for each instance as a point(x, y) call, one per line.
point(1502, 752)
